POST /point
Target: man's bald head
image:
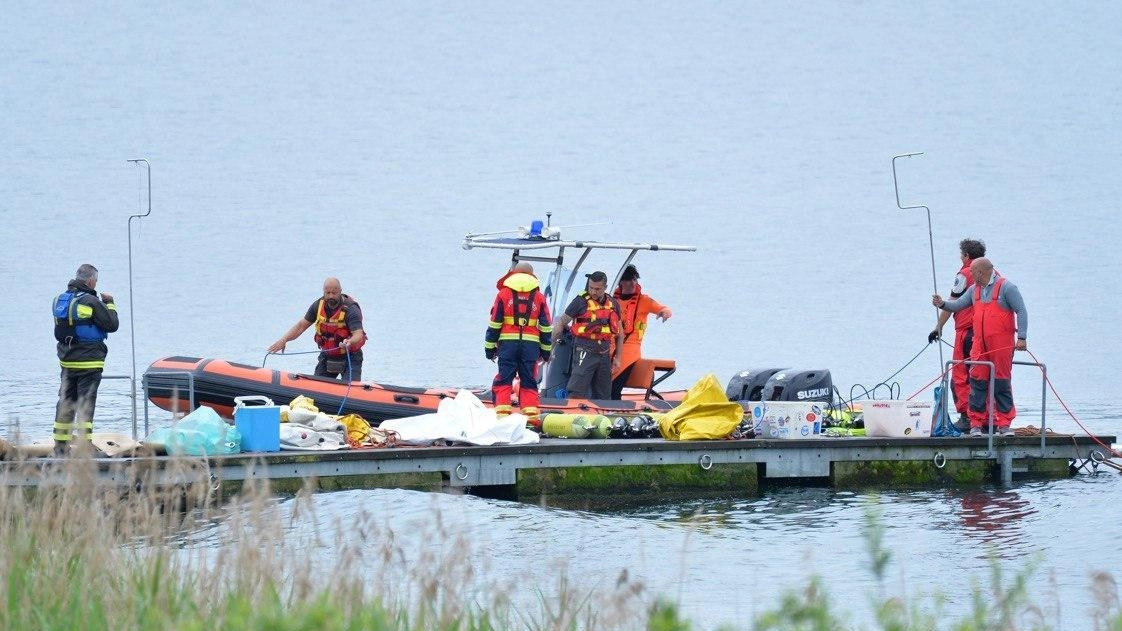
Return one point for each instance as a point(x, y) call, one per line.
point(981, 269)
point(523, 267)
point(332, 290)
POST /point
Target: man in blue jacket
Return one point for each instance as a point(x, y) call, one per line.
point(82, 322)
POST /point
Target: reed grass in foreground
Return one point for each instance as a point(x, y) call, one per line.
point(84, 556)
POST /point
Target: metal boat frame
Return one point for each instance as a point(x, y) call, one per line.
point(541, 242)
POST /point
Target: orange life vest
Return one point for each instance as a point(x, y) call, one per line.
point(599, 322)
point(630, 308)
point(636, 308)
point(331, 328)
point(964, 318)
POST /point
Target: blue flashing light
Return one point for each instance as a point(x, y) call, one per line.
point(536, 227)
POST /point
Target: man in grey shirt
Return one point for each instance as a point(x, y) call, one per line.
point(1000, 326)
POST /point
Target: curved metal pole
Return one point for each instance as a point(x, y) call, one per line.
point(132, 308)
point(930, 237)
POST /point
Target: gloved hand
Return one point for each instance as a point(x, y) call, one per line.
point(490, 353)
point(544, 356)
point(934, 335)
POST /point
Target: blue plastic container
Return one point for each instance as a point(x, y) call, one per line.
point(259, 424)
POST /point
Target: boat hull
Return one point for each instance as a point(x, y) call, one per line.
point(168, 383)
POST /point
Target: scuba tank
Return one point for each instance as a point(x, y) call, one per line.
point(576, 426)
point(638, 426)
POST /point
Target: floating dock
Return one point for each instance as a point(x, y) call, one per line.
point(611, 466)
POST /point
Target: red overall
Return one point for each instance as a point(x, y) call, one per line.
point(963, 325)
point(995, 331)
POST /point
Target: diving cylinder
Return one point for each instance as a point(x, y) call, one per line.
point(603, 427)
point(576, 425)
point(644, 425)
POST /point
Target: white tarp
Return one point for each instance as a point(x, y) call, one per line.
point(462, 419)
point(296, 437)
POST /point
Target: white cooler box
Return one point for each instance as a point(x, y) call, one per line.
point(911, 419)
point(787, 419)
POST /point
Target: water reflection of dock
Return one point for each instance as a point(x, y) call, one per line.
point(993, 516)
point(590, 466)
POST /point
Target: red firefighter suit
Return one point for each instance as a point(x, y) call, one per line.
point(518, 336)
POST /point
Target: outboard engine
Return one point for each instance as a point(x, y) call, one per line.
point(748, 385)
point(556, 385)
point(799, 385)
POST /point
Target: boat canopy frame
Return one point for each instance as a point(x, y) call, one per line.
point(533, 243)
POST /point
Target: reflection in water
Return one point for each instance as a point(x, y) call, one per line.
point(696, 549)
point(995, 517)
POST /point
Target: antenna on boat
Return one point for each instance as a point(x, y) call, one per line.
point(930, 237)
point(132, 306)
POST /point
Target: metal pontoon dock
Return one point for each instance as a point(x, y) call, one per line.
point(500, 470)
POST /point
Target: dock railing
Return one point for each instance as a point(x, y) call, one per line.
point(146, 382)
point(132, 391)
point(1043, 394)
point(991, 404)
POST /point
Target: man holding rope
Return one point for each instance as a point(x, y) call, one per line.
point(339, 333)
point(1000, 325)
point(968, 250)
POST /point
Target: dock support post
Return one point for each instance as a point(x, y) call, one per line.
point(1005, 467)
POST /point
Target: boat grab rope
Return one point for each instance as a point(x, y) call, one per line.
point(266, 358)
point(1114, 453)
point(346, 349)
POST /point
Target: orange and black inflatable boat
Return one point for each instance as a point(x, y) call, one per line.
point(169, 383)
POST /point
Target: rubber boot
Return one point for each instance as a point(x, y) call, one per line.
point(533, 419)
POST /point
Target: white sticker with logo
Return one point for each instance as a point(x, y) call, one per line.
point(959, 284)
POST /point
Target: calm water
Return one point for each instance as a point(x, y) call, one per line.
point(365, 141)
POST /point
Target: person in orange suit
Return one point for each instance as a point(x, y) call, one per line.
point(1000, 322)
point(968, 250)
point(636, 306)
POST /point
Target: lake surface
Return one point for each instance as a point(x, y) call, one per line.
point(363, 141)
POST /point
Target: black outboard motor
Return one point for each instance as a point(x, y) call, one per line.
point(557, 377)
point(799, 385)
point(748, 385)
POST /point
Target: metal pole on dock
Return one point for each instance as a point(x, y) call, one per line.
point(930, 238)
point(132, 305)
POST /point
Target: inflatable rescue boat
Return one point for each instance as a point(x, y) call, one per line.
point(174, 383)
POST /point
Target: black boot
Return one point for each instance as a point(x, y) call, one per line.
point(61, 450)
point(963, 423)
